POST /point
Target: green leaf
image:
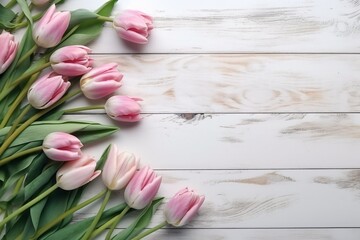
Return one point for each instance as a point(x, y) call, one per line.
point(19, 228)
point(14, 170)
point(37, 131)
point(76, 230)
point(25, 8)
point(80, 15)
point(36, 212)
point(12, 150)
point(140, 223)
point(6, 16)
point(90, 29)
point(38, 183)
point(36, 167)
point(58, 203)
point(102, 160)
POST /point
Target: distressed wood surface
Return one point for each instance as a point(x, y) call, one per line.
point(239, 141)
point(239, 26)
point(256, 234)
point(212, 77)
point(263, 198)
point(179, 83)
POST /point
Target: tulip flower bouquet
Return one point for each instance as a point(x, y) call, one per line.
point(43, 168)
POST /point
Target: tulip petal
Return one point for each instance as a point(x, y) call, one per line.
point(61, 155)
point(147, 194)
point(192, 212)
point(70, 69)
point(109, 169)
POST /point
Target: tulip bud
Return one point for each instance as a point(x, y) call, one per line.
point(183, 207)
point(8, 50)
point(39, 2)
point(133, 26)
point(47, 90)
point(123, 108)
point(101, 81)
point(51, 28)
point(119, 168)
point(77, 173)
point(60, 146)
point(142, 188)
point(71, 60)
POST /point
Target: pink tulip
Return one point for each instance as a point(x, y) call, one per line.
point(133, 26)
point(123, 108)
point(71, 60)
point(47, 90)
point(182, 208)
point(60, 146)
point(101, 81)
point(8, 49)
point(119, 168)
point(142, 188)
point(51, 28)
point(77, 173)
point(39, 2)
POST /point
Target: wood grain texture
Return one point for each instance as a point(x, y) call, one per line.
point(212, 77)
point(239, 141)
point(239, 26)
point(262, 198)
point(256, 234)
point(186, 83)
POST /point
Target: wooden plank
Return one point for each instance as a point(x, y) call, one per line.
point(262, 199)
point(254, 234)
point(181, 83)
point(239, 26)
point(240, 141)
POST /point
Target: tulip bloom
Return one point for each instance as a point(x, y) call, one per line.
point(8, 50)
point(133, 26)
point(119, 168)
point(51, 28)
point(77, 173)
point(60, 146)
point(183, 207)
point(47, 90)
point(142, 188)
point(71, 60)
point(101, 81)
point(123, 108)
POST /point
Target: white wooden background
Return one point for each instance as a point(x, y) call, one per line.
point(254, 104)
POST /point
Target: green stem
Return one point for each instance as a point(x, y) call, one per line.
point(98, 216)
point(116, 221)
point(65, 214)
point(25, 23)
point(13, 106)
point(29, 73)
point(27, 55)
point(149, 231)
point(79, 109)
point(28, 205)
point(20, 237)
point(18, 120)
point(20, 154)
point(103, 227)
point(27, 123)
point(21, 16)
point(18, 186)
point(21, 78)
point(105, 19)
point(11, 3)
